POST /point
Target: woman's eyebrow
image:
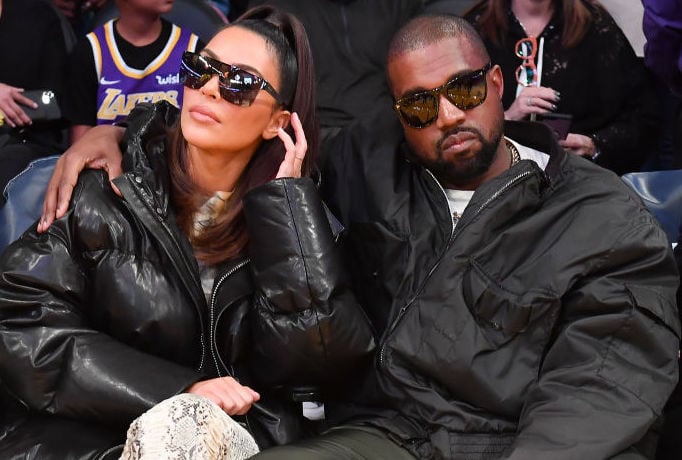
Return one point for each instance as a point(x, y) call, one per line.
point(210, 53)
point(213, 55)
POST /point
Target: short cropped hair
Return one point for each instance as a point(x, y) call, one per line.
point(427, 29)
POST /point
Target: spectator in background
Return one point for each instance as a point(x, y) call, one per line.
point(577, 62)
point(349, 39)
point(664, 152)
point(29, 60)
point(134, 58)
point(662, 27)
point(663, 31)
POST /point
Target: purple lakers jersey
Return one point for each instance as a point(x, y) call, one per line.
point(121, 87)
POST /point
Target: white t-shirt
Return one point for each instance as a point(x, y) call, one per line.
point(459, 199)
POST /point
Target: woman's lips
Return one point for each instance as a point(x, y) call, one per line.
point(203, 114)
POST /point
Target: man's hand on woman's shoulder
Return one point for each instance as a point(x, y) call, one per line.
point(97, 149)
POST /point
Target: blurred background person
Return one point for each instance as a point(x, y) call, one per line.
point(570, 57)
point(664, 151)
point(28, 61)
point(133, 58)
point(662, 27)
point(663, 50)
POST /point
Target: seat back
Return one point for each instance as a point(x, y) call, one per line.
point(199, 16)
point(24, 195)
point(661, 192)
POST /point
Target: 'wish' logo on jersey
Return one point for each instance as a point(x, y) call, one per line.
point(171, 79)
point(116, 104)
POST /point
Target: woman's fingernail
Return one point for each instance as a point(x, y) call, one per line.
point(553, 107)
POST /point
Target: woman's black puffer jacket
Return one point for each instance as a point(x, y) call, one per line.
point(103, 316)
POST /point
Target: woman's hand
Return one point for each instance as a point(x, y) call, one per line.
point(97, 149)
point(232, 397)
point(10, 98)
point(295, 153)
point(579, 144)
point(532, 99)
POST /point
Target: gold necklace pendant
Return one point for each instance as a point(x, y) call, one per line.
point(514, 155)
point(455, 218)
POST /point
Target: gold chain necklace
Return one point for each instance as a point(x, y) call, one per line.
point(514, 156)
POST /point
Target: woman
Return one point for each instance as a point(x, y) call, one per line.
point(204, 277)
point(570, 57)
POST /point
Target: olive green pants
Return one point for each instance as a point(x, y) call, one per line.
point(344, 442)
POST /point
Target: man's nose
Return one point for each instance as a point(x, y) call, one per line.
point(448, 113)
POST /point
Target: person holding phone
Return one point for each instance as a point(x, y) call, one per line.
point(570, 57)
point(28, 61)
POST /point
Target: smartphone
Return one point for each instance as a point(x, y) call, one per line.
point(559, 123)
point(47, 110)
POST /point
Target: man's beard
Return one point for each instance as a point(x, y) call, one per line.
point(450, 172)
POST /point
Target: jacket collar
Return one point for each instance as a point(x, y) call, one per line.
point(145, 152)
point(539, 137)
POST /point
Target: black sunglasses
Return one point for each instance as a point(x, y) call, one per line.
point(237, 86)
point(465, 92)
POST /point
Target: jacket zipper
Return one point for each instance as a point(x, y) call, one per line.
point(212, 318)
point(455, 232)
point(212, 323)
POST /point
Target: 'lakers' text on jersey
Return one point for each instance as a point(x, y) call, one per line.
point(121, 87)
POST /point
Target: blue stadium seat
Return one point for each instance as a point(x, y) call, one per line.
point(24, 195)
point(661, 192)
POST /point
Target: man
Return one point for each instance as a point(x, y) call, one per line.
point(524, 298)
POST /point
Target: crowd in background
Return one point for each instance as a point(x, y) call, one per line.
point(623, 116)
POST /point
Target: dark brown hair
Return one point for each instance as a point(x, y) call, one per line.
point(227, 238)
point(577, 16)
